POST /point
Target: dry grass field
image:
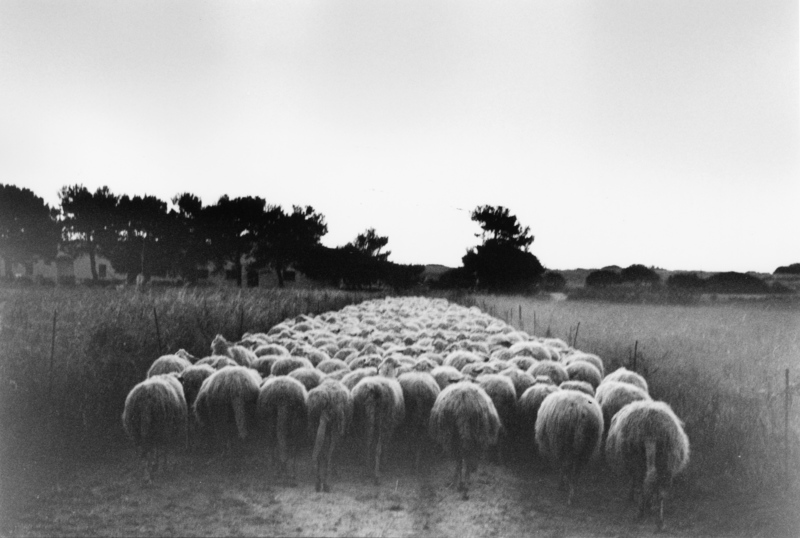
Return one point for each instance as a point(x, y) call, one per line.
point(66, 468)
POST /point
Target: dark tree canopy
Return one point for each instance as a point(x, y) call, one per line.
point(791, 269)
point(639, 274)
point(28, 228)
point(371, 244)
point(602, 278)
point(88, 221)
point(502, 262)
point(553, 281)
point(499, 225)
point(142, 229)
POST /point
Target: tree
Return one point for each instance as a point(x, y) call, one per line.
point(639, 274)
point(371, 244)
point(791, 269)
point(686, 281)
point(88, 221)
point(502, 262)
point(28, 228)
point(602, 278)
point(498, 224)
point(187, 237)
point(553, 281)
point(233, 228)
point(286, 239)
point(142, 228)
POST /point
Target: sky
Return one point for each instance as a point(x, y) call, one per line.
point(665, 132)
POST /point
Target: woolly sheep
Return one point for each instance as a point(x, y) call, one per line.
point(569, 429)
point(522, 380)
point(217, 362)
point(271, 350)
point(459, 359)
point(420, 390)
point(331, 365)
point(352, 379)
point(534, 350)
point(166, 364)
point(284, 365)
point(501, 390)
point(283, 412)
point(575, 384)
point(522, 362)
point(623, 374)
point(155, 419)
point(226, 405)
point(464, 422)
point(309, 377)
point(192, 379)
point(586, 357)
point(584, 371)
point(551, 369)
point(646, 439)
point(182, 353)
point(378, 409)
point(528, 410)
point(446, 375)
point(330, 410)
point(263, 364)
point(614, 395)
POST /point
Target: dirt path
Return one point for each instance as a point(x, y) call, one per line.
point(198, 498)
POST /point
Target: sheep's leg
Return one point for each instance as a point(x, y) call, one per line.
point(378, 447)
point(329, 457)
point(572, 476)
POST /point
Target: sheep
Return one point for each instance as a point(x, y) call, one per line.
point(330, 410)
point(309, 377)
point(614, 395)
point(284, 365)
point(459, 359)
point(623, 374)
point(226, 405)
point(351, 379)
point(217, 362)
point(166, 364)
point(263, 364)
point(271, 350)
point(283, 412)
point(534, 350)
point(445, 375)
point(522, 380)
point(464, 422)
point(420, 390)
point(522, 362)
point(378, 409)
point(501, 390)
point(569, 429)
point(586, 357)
point(331, 365)
point(528, 409)
point(553, 370)
point(155, 419)
point(241, 355)
point(186, 355)
point(576, 384)
point(584, 371)
point(192, 379)
point(647, 439)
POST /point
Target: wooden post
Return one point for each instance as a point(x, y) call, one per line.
point(534, 322)
point(635, 350)
point(241, 321)
point(158, 330)
point(575, 338)
point(786, 434)
point(52, 357)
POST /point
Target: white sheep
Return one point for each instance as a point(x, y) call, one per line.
point(420, 390)
point(330, 410)
point(464, 422)
point(647, 439)
point(569, 429)
point(166, 364)
point(155, 419)
point(378, 409)
point(623, 374)
point(614, 395)
point(282, 410)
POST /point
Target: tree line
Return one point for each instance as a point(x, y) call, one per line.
point(145, 235)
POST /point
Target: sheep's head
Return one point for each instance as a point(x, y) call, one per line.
point(388, 367)
point(219, 346)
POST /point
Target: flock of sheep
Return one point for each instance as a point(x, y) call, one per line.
point(413, 370)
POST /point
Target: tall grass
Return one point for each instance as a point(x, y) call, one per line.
point(105, 341)
point(721, 368)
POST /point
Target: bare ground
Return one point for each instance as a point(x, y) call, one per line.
point(201, 497)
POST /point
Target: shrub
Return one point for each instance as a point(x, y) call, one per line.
point(793, 269)
point(686, 281)
point(732, 282)
point(553, 281)
point(639, 274)
point(602, 278)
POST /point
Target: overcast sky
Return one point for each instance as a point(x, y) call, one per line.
point(662, 132)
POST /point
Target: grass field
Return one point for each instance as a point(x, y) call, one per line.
point(721, 367)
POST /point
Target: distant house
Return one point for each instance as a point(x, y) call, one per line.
point(65, 269)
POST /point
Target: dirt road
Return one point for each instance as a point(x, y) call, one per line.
point(201, 498)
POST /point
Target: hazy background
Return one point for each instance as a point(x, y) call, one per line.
point(662, 132)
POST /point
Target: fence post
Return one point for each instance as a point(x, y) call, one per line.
point(787, 397)
point(635, 350)
point(52, 359)
point(575, 338)
point(534, 322)
point(158, 330)
point(241, 321)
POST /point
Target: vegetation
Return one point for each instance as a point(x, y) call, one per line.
point(792, 269)
point(27, 227)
